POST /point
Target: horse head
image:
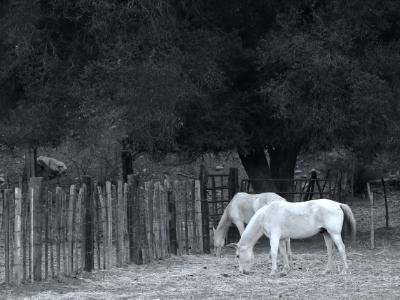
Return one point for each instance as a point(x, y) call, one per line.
point(219, 241)
point(245, 255)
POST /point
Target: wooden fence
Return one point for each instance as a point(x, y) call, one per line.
point(52, 233)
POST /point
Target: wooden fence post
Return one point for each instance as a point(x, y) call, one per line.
point(17, 240)
point(46, 238)
point(78, 230)
point(98, 225)
point(164, 220)
point(36, 184)
point(130, 213)
point(386, 202)
point(51, 230)
point(88, 224)
point(25, 236)
point(64, 232)
point(58, 216)
point(109, 223)
point(31, 203)
point(185, 198)
point(233, 182)
point(7, 248)
point(198, 216)
point(371, 201)
point(2, 220)
point(125, 227)
point(173, 240)
point(156, 220)
point(120, 219)
point(147, 245)
point(204, 209)
point(70, 224)
point(127, 167)
point(103, 223)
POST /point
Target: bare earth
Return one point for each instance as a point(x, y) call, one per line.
point(375, 274)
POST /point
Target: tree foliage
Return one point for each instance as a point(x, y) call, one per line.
point(198, 76)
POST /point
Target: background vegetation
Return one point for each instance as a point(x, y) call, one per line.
point(193, 77)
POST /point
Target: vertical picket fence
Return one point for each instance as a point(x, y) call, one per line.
point(57, 233)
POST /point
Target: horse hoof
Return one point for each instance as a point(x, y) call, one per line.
point(286, 270)
point(327, 271)
point(283, 274)
point(273, 273)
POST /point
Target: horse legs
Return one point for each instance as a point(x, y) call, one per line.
point(240, 227)
point(329, 247)
point(284, 253)
point(274, 243)
point(289, 253)
point(337, 239)
point(218, 252)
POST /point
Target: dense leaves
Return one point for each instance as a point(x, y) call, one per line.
point(197, 76)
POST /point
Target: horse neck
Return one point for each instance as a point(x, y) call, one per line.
point(252, 233)
point(224, 223)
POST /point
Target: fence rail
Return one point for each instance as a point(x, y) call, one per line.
point(52, 233)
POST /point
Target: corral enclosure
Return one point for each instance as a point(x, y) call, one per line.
point(55, 233)
point(142, 223)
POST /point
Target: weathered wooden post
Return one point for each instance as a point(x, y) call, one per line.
point(132, 185)
point(31, 219)
point(78, 231)
point(36, 184)
point(98, 225)
point(58, 216)
point(386, 202)
point(103, 213)
point(120, 219)
point(17, 278)
point(199, 219)
point(2, 217)
point(109, 223)
point(46, 238)
point(371, 201)
point(127, 167)
point(72, 192)
point(233, 182)
point(88, 224)
point(311, 185)
point(147, 223)
point(204, 209)
point(173, 243)
point(51, 230)
point(7, 248)
point(64, 232)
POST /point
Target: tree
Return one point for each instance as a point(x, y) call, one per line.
point(314, 83)
point(193, 77)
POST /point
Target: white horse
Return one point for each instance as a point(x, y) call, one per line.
point(282, 220)
point(239, 212)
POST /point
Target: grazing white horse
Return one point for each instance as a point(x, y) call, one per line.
point(282, 220)
point(239, 212)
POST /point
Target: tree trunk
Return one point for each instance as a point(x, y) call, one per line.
point(282, 164)
point(257, 167)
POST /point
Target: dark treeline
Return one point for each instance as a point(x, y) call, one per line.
point(198, 76)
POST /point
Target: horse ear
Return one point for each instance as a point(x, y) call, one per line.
point(214, 230)
point(232, 245)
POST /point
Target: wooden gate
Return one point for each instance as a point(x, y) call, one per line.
point(302, 189)
point(216, 192)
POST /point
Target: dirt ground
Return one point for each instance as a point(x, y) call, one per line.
point(375, 274)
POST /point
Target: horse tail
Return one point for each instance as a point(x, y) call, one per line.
point(349, 219)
